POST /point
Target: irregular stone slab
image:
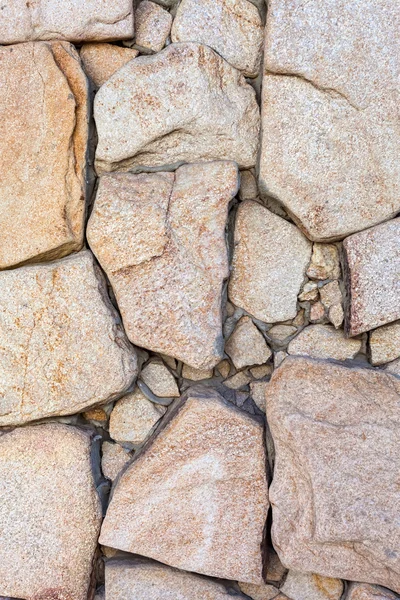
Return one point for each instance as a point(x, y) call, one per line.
point(329, 424)
point(308, 586)
point(324, 341)
point(50, 513)
point(43, 143)
point(364, 591)
point(188, 496)
point(159, 379)
point(134, 417)
point(61, 346)
point(384, 344)
point(247, 346)
point(233, 28)
point(372, 280)
point(196, 374)
point(100, 61)
point(214, 116)
point(92, 20)
point(152, 26)
point(269, 264)
point(168, 284)
point(324, 262)
point(113, 459)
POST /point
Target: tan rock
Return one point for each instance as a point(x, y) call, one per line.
point(279, 357)
point(261, 371)
point(92, 20)
point(224, 367)
point(275, 571)
point(50, 513)
point(336, 315)
point(317, 312)
point(324, 341)
point(328, 100)
point(257, 392)
point(280, 333)
point(96, 414)
point(168, 285)
point(259, 592)
point(247, 346)
point(308, 586)
point(269, 263)
point(309, 291)
point(372, 260)
point(113, 459)
point(196, 374)
point(384, 343)
point(330, 294)
point(364, 591)
point(159, 379)
point(248, 186)
point(238, 380)
point(329, 424)
point(134, 417)
point(101, 61)
point(187, 498)
point(61, 346)
point(214, 116)
point(152, 26)
point(393, 367)
point(43, 107)
point(299, 319)
point(233, 28)
point(324, 262)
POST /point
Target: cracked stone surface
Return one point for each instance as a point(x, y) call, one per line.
point(215, 453)
point(324, 341)
point(50, 513)
point(214, 116)
point(61, 346)
point(100, 61)
point(331, 135)
point(329, 424)
point(168, 285)
point(43, 106)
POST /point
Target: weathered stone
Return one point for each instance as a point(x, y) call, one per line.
point(364, 591)
point(257, 391)
point(233, 28)
point(309, 291)
point(280, 333)
point(248, 186)
point(101, 61)
point(97, 414)
point(261, 371)
point(43, 139)
point(215, 453)
point(113, 459)
point(275, 571)
point(336, 315)
point(384, 344)
point(308, 586)
point(336, 434)
point(152, 26)
point(324, 341)
point(372, 277)
point(134, 417)
point(61, 346)
point(224, 367)
point(247, 346)
point(269, 263)
point(168, 284)
point(317, 312)
point(238, 380)
point(50, 513)
point(91, 20)
point(208, 112)
point(330, 140)
point(259, 592)
point(279, 357)
point(393, 367)
point(330, 294)
point(159, 379)
point(196, 374)
point(299, 319)
point(324, 262)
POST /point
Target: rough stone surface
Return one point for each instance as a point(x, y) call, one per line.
point(43, 107)
point(393, 367)
point(324, 341)
point(330, 294)
point(61, 346)
point(317, 312)
point(196, 374)
point(159, 379)
point(152, 26)
point(372, 277)
point(168, 285)
point(330, 425)
point(324, 262)
point(214, 116)
point(269, 263)
point(248, 186)
point(364, 591)
point(215, 453)
point(233, 28)
point(247, 346)
point(134, 417)
point(50, 513)
point(336, 315)
point(384, 344)
point(308, 586)
point(259, 592)
point(331, 140)
point(113, 459)
point(100, 61)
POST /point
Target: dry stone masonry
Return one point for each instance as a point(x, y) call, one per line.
point(199, 300)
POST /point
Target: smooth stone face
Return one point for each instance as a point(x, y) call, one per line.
point(214, 116)
point(247, 346)
point(61, 346)
point(134, 417)
point(50, 513)
point(269, 263)
point(168, 284)
point(331, 136)
point(113, 459)
point(324, 341)
point(187, 498)
point(364, 591)
point(336, 434)
point(100, 61)
point(73, 20)
point(384, 344)
point(308, 586)
point(43, 143)
point(372, 277)
point(159, 379)
point(152, 26)
point(233, 28)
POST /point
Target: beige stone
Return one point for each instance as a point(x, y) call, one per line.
point(113, 459)
point(259, 592)
point(257, 392)
point(393, 367)
point(269, 263)
point(364, 591)
point(168, 284)
point(372, 261)
point(187, 499)
point(308, 586)
point(324, 262)
point(100, 61)
point(91, 20)
point(261, 371)
point(331, 138)
point(248, 186)
point(275, 571)
point(62, 348)
point(43, 144)
point(336, 315)
point(317, 312)
point(330, 294)
point(233, 28)
point(152, 26)
point(208, 112)
point(196, 374)
point(309, 291)
point(299, 319)
point(159, 379)
point(97, 414)
point(384, 343)
point(324, 341)
point(247, 346)
point(224, 367)
point(279, 357)
point(50, 513)
point(134, 417)
point(336, 434)
point(238, 381)
point(280, 333)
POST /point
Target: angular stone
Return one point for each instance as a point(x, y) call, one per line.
point(50, 513)
point(134, 417)
point(308, 586)
point(330, 294)
point(324, 262)
point(152, 26)
point(208, 112)
point(159, 379)
point(168, 284)
point(269, 263)
point(317, 312)
point(364, 591)
point(331, 140)
point(309, 292)
point(393, 367)
point(196, 374)
point(259, 592)
point(233, 28)
point(384, 344)
point(43, 144)
point(101, 61)
point(248, 186)
point(261, 371)
point(238, 381)
point(91, 20)
point(336, 434)
point(61, 346)
point(324, 341)
point(188, 497)
point(257, 391)
point(336, 315)
point(280, 333)
point(113, 459)
point(247, 346)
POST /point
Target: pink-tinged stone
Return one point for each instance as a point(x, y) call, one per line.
point(101, 61)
